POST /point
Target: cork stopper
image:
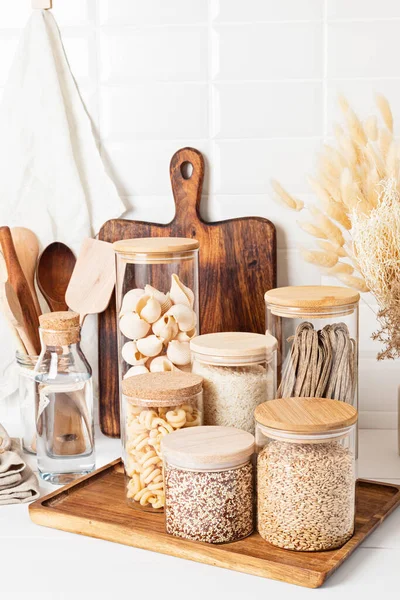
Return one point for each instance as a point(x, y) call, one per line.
point(60, 328)
point(165, 388)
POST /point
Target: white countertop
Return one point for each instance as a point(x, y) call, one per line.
point(46, 564)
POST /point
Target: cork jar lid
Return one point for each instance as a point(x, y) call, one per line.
point(233, 345)
point(208, 447)
point(155, 245)
point(158, 389)
point(305, 415)
point(59, 321)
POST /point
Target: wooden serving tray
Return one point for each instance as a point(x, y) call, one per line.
point(96, 506)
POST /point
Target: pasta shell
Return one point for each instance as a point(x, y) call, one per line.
point(161, 363)
point(180, 293)
point(183, 315)
point(148, 308)
point(164, 299)
point(136, 370)
point(150, 346)
point(186, 336)
point(166, 328)
point(133, 327)
point(179, 353)
point(131, 354)
point(130, 300)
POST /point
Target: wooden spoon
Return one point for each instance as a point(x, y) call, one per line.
point(93, 279)
point(12, 311)
point(27, 248)
point(55, 267)
point(18, 282)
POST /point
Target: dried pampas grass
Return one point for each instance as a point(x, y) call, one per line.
point(376, 239)
point(357, 216)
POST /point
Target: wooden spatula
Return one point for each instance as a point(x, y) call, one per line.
point(19, 284)
point(26, 246)
point(93, 279)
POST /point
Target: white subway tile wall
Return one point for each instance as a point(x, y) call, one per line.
point(252, 84)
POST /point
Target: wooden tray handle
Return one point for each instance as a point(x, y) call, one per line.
point(187, 175)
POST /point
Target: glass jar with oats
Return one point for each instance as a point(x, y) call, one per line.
point(239, 374)
point(208, 473)
point(317, 332)
point(305, 473)
point(153, 406)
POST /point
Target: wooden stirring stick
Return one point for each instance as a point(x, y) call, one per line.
point(19, 284)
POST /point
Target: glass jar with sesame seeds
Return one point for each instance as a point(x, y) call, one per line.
point(208, 478)
point(305, 473)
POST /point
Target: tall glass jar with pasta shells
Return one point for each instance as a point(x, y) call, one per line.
point(154, 405)
point(157, 303)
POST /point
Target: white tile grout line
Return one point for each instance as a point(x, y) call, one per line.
point(325, 69)
point(95, 8)
point(212, 6)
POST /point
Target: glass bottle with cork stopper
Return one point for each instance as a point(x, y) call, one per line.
point(64, 399)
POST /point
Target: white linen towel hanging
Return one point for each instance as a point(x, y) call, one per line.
point(52, 178)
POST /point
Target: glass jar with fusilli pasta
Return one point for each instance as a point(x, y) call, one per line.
point(154, 405)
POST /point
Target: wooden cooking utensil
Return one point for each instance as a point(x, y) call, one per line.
point(18, 282)
point(26, 246)
point(237, 266)
point(54, 271)
point(93, 279)
point(12, 310)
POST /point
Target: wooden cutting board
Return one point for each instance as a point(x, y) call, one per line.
point(96, 506)
point(237, 267)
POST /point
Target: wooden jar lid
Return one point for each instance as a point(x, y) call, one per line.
point(305, 415)
point(312, 296)
point(59, 321)
point(208, 447)
point(155, 245)
point(165, 386)
point(233, 344)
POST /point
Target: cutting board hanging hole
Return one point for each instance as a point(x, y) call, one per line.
point(186, 169)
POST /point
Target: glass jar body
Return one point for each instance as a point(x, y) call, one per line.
point(209, 505)
point(143, 424)
point(317, 353)
point(305, 488)
point(233, 391)
point(64, 422)
point(157, 310)
point(27, 399)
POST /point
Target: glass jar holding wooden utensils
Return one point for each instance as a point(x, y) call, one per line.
point(64, 396)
